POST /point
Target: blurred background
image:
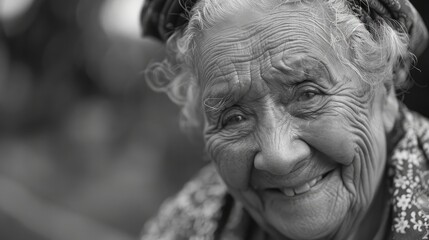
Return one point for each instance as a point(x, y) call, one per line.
point(87, 151)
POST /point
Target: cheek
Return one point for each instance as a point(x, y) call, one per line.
point(354, 140)
point(233, 160)
point(343, 130)
point(332, 137)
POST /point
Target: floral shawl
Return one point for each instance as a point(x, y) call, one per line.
point(204, 210)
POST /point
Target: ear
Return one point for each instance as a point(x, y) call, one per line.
point(390, 107)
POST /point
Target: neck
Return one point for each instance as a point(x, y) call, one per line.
point(373, 225)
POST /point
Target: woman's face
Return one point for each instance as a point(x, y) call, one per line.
point(296, 135)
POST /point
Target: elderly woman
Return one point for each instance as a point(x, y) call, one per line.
point(296, 102)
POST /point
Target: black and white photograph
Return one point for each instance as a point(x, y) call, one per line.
point(214, 120)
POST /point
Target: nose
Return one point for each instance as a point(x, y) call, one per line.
point(281, 152)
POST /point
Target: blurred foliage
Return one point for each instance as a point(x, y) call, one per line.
point(87, 150)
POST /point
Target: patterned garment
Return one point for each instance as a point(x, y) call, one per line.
point(204, 210)
point(409, 189)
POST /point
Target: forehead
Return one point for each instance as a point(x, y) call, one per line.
point(258, 44)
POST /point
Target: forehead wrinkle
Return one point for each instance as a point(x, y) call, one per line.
point(253, 33)
point(247, 45)
point(227, 87)
point(226, 65)
point(230, 79)
point(297, 69)
point(305, 19)
point(294, 36)
point(296, 22)
point(294, 65)
point(216, 57)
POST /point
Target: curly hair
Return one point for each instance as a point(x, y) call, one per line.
point(374, 51)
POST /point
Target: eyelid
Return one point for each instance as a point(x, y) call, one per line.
point(230, 112)
point(308, 87)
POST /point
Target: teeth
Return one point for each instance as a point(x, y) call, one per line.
point(302, 189)
point(290, 192)
point(312, 182)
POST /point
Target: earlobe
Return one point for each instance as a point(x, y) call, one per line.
point(390, 109)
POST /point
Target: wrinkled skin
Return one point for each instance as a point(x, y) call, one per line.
point(281, 109)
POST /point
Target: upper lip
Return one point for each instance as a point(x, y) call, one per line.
point(292, 180)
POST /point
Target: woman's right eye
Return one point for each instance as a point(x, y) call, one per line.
point(232, 118)
point(235, 119)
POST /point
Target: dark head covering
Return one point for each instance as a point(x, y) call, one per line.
point(160, 18)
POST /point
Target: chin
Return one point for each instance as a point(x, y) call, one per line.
point(320, 213)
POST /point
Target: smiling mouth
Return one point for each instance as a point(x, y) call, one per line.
point(303, 188)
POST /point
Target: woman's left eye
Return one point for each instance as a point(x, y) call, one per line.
point(307, 95)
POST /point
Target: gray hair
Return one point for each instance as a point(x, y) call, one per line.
point(373, 54)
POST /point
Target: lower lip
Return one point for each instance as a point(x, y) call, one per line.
point(313, 190)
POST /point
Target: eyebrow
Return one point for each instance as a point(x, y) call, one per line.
point(218, 97)
point(312, 70)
